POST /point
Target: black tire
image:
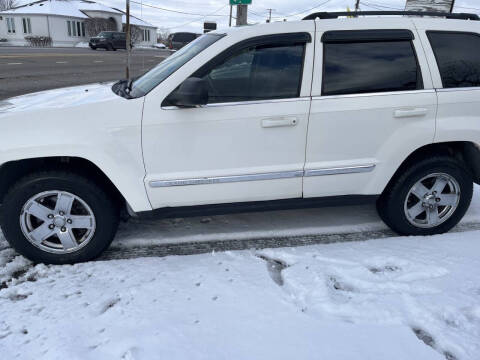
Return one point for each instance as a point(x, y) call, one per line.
point(109, 47)
point(93, 48)
point(105, 210)
point(390, 205)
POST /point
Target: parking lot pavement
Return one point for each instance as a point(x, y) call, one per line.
point(24, 70)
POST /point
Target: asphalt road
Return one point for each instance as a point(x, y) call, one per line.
point(24, 70)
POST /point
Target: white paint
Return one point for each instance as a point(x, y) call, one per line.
point(229, 140)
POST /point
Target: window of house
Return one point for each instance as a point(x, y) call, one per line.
point(145, 35)
point(10, 25)
point(370, 66)
point(458, 57)
point(262, 72)
point(76, 28)
point(27, 26)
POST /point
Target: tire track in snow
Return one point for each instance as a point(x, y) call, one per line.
point(202, 247)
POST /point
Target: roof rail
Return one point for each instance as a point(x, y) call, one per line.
point(334, 15)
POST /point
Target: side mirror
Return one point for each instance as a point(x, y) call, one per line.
point(192, 92)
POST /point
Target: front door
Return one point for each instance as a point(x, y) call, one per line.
point(248, 143)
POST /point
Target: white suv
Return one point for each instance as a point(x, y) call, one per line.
point(384, 108)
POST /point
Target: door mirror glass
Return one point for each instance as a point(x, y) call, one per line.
point(192, 92)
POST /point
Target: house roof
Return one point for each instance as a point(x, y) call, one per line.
point(72, 8)
point(136, 21)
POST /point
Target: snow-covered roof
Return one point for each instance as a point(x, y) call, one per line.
point(72, 8)
point(136, 21)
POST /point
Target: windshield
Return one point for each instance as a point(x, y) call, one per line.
point(167, 67)
point(104, 34)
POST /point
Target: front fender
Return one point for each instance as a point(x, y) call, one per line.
point(105, 132)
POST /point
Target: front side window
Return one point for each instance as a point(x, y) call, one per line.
point(167, 67)
point(367, 67)
point(260, 72)
point(458, 57)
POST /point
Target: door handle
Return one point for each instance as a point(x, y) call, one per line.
point(278, 122)
point(410, 112)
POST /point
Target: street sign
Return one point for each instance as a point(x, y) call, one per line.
point(209, 26)
point(429, 5)
point(240, 2)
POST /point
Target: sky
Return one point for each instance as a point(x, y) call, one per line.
point(175, 20)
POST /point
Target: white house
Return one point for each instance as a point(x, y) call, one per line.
point(63, 21)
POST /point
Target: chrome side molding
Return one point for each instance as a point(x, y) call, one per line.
point(340, 170)
point(227, 179)
point(263, 176)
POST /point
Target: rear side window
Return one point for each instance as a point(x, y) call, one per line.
point(370, 66)
point(458, 57)
point(184, 37)
point(257, 73)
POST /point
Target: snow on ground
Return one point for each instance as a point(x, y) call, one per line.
point(396, 298)
point(82, 44)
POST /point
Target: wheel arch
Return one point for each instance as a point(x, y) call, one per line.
point(464, 151)
point(11, 171)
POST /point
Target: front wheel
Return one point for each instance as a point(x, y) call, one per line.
point(430, 197)
point(59, 218)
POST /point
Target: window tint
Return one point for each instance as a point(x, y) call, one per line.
point(362, 67)
point(257, 73)
point(458, 58)
point(155, 76)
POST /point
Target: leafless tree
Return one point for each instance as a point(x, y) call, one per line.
point(7, 4)
point(94, 26)
point(162, 35)
point(135, 33)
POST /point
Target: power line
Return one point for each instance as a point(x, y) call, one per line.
point(375, 5)
point(306, 10)
point(177, 11)
point(466, 7)
point(198, 19)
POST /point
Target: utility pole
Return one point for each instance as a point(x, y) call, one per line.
point(242, 11)
point(357, 5)
point(270, 15)
point(230, 21)
point(128, 39)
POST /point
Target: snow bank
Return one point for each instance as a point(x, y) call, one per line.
point(380, 299)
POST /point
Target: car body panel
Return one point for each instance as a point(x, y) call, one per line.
point(88, 122)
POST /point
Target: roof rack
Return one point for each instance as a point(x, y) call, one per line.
point(335, 15)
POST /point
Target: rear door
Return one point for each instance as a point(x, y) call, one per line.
point(372, 105)
point(454, 54)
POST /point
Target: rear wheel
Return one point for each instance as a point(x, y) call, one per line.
point(59, 218)
point(430, 197)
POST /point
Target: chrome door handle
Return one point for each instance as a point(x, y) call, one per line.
point(278, 122)
point(410, 112)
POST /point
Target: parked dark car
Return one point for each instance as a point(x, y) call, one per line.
point(178, 40)
point(109, 40)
